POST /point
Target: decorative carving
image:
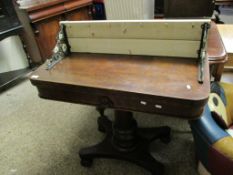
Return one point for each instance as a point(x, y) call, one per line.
point(61, 49)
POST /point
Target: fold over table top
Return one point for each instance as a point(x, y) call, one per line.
point(136, 83)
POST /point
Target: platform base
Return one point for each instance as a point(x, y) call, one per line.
point(125, 141)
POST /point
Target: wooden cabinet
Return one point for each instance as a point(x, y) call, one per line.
point(44, 20)
point(45, 35)
point(79, 14)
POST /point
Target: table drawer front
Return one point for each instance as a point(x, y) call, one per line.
point(120, 100)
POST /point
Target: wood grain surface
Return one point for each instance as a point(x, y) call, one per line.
point(216, 51)
point(56, 9)
point(217, 55)
point(173, 29)
point(136, 83)
point(46, 36)
point(172, 48)
point(43, 4)
point(45, 22)
point(223, 2)
point(175, 38)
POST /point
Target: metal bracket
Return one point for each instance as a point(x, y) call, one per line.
point(202, 52)
point(61, 49)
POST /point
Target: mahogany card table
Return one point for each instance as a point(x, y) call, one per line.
point(127, 83)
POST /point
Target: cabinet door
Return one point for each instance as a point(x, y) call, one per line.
point(46, 30)
point(79, 14)
point(45, 34)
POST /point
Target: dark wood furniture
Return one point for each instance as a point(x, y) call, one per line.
point(127, 83)
point(217, 55)
point(122, 82)
point(160, 85)
point(224, 2)
point(188, 8)
point(44, 24)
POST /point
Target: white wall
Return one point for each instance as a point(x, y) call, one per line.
point(12, 55)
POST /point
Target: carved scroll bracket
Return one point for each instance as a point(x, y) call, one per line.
point(61, 49)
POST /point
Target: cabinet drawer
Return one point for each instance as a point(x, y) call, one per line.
point(120, 100)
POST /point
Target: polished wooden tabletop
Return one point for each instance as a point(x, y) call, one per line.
point(137, 83)
point(215, 50)
point(217, 55)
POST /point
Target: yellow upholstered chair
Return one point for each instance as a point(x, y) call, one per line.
point(213, 131)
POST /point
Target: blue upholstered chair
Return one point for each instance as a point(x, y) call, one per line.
point(213, 131)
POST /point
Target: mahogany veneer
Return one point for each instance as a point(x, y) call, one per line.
point(129, 83)
point(217, 55)
point(167, 85)
point(45, 11)
point(41, 23)
point(224, 2)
